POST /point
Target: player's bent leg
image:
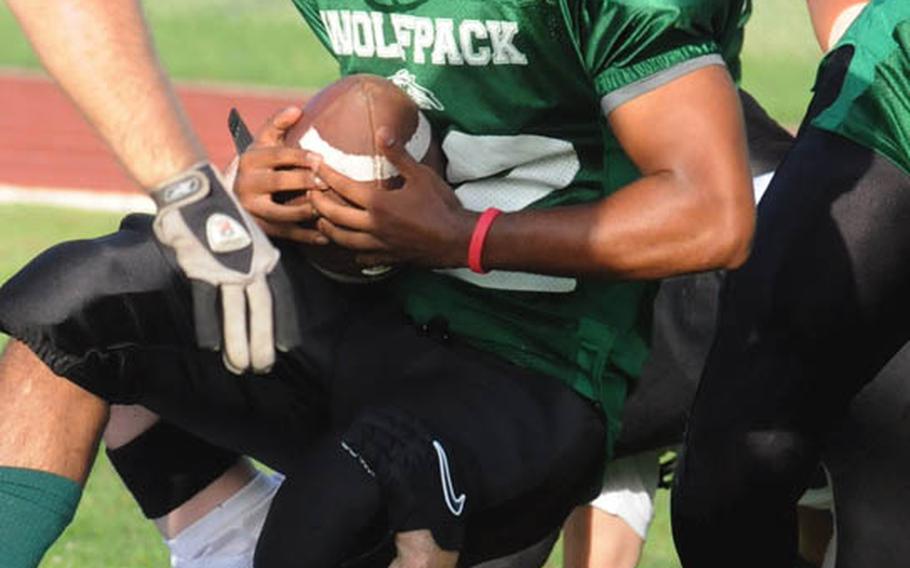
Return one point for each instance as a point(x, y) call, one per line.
point(611, 531)
point(630, 485)
point(114, 316)
point(868, 457)
point(49, 431)
point(813, 315)
point(48, 423)
point(175, 477)
point(804, 323)
point(411, 462)
point(440, 437)
point(207, 502)
point(51, 424)
point(82, 306)
point(329, 510)
point(510, 451)
point(384, 476)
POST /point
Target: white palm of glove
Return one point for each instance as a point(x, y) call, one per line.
point(221, 250)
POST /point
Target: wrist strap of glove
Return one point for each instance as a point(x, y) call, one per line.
point(186, 187)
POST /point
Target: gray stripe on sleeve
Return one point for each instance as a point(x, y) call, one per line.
point(625, 94)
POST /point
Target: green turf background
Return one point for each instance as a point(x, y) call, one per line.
point(263, 42)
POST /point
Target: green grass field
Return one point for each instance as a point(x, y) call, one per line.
point(265, 43)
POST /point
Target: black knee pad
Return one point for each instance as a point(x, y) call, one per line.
point(779, 459)
point(755, 468)
point(425, 481)
point(164, 467)
point(80, 304)
point(328, 513)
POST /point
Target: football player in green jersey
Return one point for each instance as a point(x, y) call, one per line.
point(816, 312)
point(435, 297)
point(467, 405)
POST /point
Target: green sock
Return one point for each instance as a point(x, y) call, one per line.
point(35, 507)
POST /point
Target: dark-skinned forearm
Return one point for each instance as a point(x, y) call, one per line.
point(650, 229)
point(691, 211)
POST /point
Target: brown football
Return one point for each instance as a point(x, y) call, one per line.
point(340, 124)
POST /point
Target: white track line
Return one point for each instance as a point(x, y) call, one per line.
point(92, 200)
point(84, 199)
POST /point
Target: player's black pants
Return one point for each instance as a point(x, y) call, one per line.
point(820, 307)
point(868, 457)
point(113, 316)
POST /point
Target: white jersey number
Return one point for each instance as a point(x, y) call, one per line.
point(509, 173)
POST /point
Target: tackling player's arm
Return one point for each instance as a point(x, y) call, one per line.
point(831, 18)
point(102, 55)
point(691, 210)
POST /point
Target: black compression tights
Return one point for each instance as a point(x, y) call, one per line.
point(820, 307)
point(868, 457)
point(330, 510)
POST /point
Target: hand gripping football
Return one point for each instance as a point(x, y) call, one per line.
point(340, 124)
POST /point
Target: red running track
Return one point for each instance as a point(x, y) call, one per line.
point(46, 143)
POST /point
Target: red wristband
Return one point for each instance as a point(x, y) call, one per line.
point(479, 237)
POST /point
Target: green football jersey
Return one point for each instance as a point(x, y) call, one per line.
point(873, 107)
point(517, 91)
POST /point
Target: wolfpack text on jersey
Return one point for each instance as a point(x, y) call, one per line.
point(422, 40)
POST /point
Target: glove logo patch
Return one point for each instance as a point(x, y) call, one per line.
point(225, 234)
point(453, 502)
point(182, 189)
